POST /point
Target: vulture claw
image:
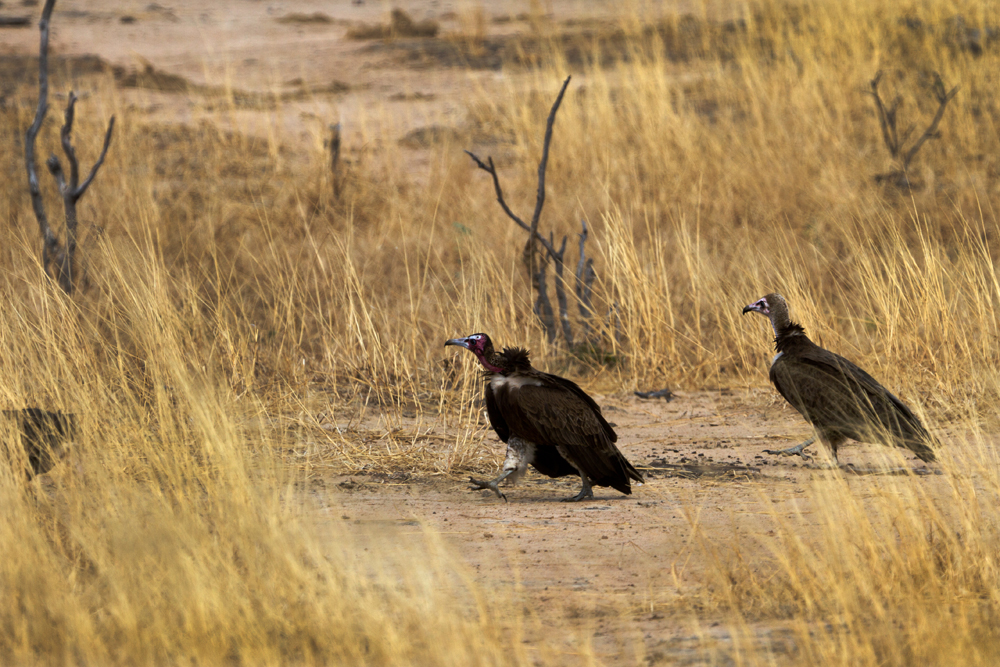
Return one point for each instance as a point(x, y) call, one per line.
point(492, 485)
point(584, 494)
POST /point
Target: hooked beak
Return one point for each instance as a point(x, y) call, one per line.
point(461, 342)
point(759, 306)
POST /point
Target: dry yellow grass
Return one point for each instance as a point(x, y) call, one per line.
point(227, 285)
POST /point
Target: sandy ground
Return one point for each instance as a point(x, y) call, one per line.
point(242, 44)
point(370, 86)
point(611, 569)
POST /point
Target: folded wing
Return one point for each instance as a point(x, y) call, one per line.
point(549, 410)
point(837, 396)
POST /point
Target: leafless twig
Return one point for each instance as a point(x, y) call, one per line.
point(72, 190)
point(50, 243)
point(585, 276)
point(536, 271)
point(489, 168)
point(543, 307)
point(931, 132)
point(529, 247)
point(532, 229)
point(334, 146)
point(57, 258)
point(890, 133)
point(567, 328)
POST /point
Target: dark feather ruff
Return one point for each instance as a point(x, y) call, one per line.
point(515, 359)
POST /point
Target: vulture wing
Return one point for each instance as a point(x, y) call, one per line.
point(549, 410)
point(497, 421)
point(547, 459)
point(837, 396)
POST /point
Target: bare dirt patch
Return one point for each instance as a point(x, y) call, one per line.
point(400, 25)
point(621, 572)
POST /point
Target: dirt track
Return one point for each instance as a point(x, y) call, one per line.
point(397, 86)
point(614, 568)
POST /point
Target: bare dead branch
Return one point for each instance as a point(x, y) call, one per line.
point(100, 160)
point(56, 257)
point(529, 247)
point(906, 136)
point(943, 98)
point(890, 134)
point(334, 146)
point(62, 261)
point(543, 307)
point(49, 243)
point(567, 328)
point(532, 229)
point(886, 116)
point(585, 276)
point(67, 145)
point(72, 191)
point(490, 169)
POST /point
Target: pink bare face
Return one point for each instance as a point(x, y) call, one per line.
point(480, 345)
point(476, 343)
point(759, 306)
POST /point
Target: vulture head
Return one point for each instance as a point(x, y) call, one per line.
point(481, 346)
point(774, 308)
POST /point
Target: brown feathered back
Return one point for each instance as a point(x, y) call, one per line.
point(559, 429)
point(552, 411)
point(837, 397)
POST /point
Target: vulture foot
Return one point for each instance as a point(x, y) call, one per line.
point(583, 495)
point(797, 450)
point(492, 485)
point(585, 492)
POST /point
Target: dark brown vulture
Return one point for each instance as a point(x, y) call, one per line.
point(547, 421)
point(45, 437)
point(839, 399)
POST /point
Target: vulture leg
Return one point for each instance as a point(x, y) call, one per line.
point(797, 450)
point(520, 453)
point(585, 492)
point(492, 485)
